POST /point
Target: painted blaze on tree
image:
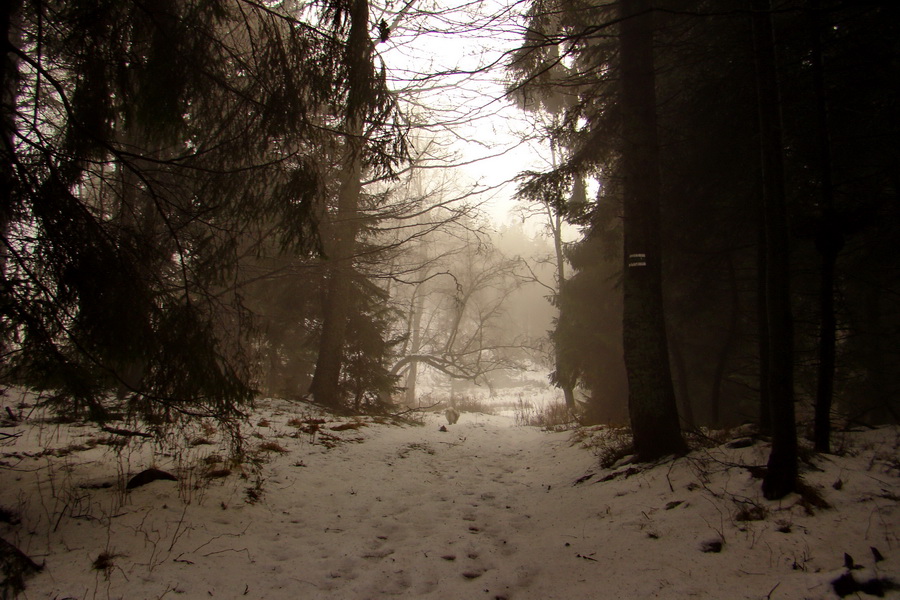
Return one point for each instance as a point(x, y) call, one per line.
point(651, 397)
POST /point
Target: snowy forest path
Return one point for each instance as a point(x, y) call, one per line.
point(420, 512)
point(341, 508)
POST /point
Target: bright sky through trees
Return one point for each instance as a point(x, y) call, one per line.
point(448, 60)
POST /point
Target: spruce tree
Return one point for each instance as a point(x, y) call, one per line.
point(151, 148)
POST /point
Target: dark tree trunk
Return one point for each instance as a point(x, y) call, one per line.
point(877, 408)
point(727, 347)
point(825, 379)
point(569, 397)
point(556, 225)
point(683, 385)
point(828, 241)
point(417, 307)
point(9, 83)
point(781, 474)
point(651, 397)
point(325, 386)
point(765, 404)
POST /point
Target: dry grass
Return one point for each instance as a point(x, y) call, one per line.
point(105, 562)
point(470, 404)
point(272, 447)
point(552, 416)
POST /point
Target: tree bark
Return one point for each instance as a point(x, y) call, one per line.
point(651, 396)
point(829, 243)
point(417, 306)
point(765, 404)
point(877, 409)
point(325, 386)
point(555, 220)
point(781, 474)
point(731, 335)
point(681, 378)
point(9, 85)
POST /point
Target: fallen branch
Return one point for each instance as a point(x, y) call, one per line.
point(626, 474)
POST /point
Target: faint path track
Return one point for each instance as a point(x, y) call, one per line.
point(485, 510)
point(438, 515)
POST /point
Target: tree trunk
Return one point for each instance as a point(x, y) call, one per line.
point(651, 397)
point(325, 386)
point(415, 346)
point(555, 222)
point(727, 347)
point(828, 241)
point(877, 397)
point(556, 225)
point(765, 404)
point(781, 474)
point(681, 378)
point(9, 85)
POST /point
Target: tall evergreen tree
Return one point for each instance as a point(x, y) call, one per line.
point(151, 147)
point(631, 167)
point(565, 68)
point(651, 397)
point(781, 474)
point(828, 240)
point(366, 98)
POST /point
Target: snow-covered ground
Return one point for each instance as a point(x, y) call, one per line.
point(329, 507)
